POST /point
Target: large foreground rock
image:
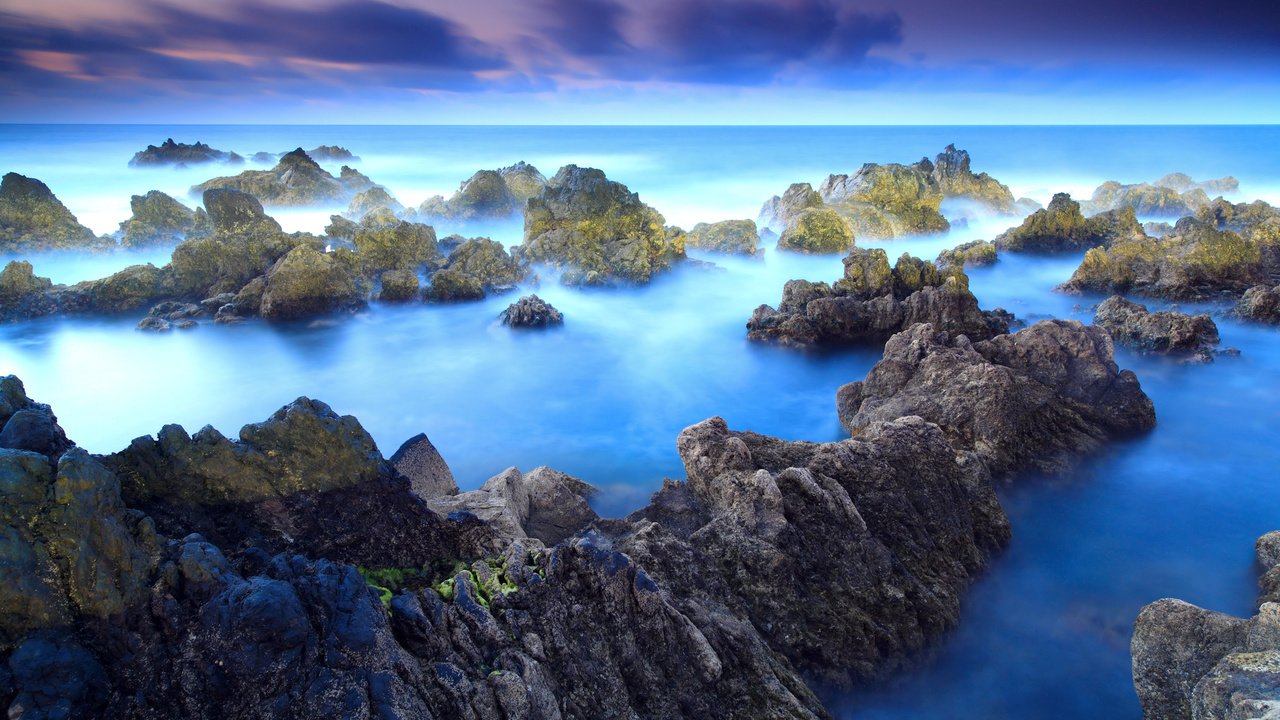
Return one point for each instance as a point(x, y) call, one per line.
point(872, 302)
point(32, 219)
point(306, 283)
point(544, 504)
point(1190, 663)
point(1164, 332)
point(1034, 399)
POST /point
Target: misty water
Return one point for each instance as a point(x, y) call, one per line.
point(1044, 633)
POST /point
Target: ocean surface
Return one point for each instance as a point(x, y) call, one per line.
point(1044, 633)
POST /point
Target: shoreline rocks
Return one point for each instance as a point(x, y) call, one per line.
point(488, 194)
point(1164, 332)
point(733, 237)
point(1261, 304)
point(1062, 227)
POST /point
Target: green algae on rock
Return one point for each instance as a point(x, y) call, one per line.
point(738, 237)
point(975, 253)
point(1062, 227)
point(307, 282)
point(488, 194)
point(32, 219)
point(817, 231)
point(296, 180)
point(157, 219)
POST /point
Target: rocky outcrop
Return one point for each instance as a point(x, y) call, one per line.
point(384, 242)
point(1194, 663)
point(872, 302)
point(544, 504)
point(296, 180)
point(531, 311)
point(475, 268)
point(399, 286)
point(1259, 303)
point(886, 201)
point(733, 237)
point(181, 154)
point(419, 461)
point(1164, 332)
point(1183, 182)
point(950, 170)
point(158, 220)
point(1147, 200)
point(331, 153)
point(23, 294)
point(1034, 399)
point(817, 231)
point(375, 198)
point(596, 231)
point(977, 253)
point(244, 243)
point(488, 194)
point(779, 211)
point(1062, 227)
point(32, 219)
point(1196, 261)
point(306, 283)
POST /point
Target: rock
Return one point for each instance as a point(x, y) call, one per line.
point(453, 286)
point(23, 293)
point(306, 283)
point(37, 428)
point(172, 153)
point(1164, 332)
point(977, 253)
point(32, 219)
point(1195, 663)
point(399, 286)
point(1183, 182)
point(951, 171)
point(429, 475)
point(375, 198)
point(488, 194)
point(330, 153)
point(487, 263)
point(157, 220)
point(779, 212)
point(297, 180)
point(597, 228)
point(871, 303)
point(544, 504)
point(384, 242)
point(737, 237)
point(1195, 262)
point(1146, 200)
point(1035, 399)
point(531, 311)
point(56, 677)
point(1260, 303)
point(817, 231)
point(886, 201)
point(244, 243)
point(1062, 227)
point(341, 228)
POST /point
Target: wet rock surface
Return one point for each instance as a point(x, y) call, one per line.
point(531, 311)
point(1194, 663)
point(157, 220)
point(1260, 303)
point(872, 302)
point(1164, 332)
point(977, 253)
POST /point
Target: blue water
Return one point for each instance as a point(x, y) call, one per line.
point(1044, 632)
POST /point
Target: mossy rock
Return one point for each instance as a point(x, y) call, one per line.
point(1062, 227)
point(244, 244)
point(779, 211)
point(306, 283)
point(976, 253)
point(904, 192)
point(157, 220)
point(866, 274)
point(133, 287)
point(488, 262)
point(523, 180)
point(911, 274)
point(384, 242)
point(374, 198)
point(454, 286)
point(18, 281)
point(867, 221)
point(818, 231)
point(296, 180)
point(488, 194)
point(951, 171)
point(32, 219)
point(1146, 200)
point(737, 237)
point(399, 286)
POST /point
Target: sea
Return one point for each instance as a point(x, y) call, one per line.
point(1044, 631)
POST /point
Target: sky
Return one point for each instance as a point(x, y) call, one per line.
point(640, 61)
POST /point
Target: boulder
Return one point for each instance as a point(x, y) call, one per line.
point(977, 253)
point(735, 237)
point(887, 201)
point(173, 153)
point(872, 302)
point(1164, 332)
point(817, 231)
point(32, 219)
point(1260, 303)
point(531, 311)
point(35, 429)
point(950, 170)
point(23, 293)
point(1035, 399)
point(306, 283)
point(597, 230)
point(296, 180)
point(1062, 227)
point(399, 286)
point(157, 220)
point(450, 285)
point(488, 263)
point(544, 504)
point(779, 211)
point(1146, 199)
point(375, 198)
point(244, 243)
point(384, 242)
point(488, 194)
point(429, 475)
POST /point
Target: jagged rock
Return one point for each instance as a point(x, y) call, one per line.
point(1146, 199)
point(429, 475)
point(1063, 228)
point(157, 220)
point(886, 201)
point(23, 293)
point(130, 289)
point(597, 230)
point(36, 429)
point(976, 253)
point(1196, 261)
point(399, 286)
point(544, 504)
point(172, 153)
point(306, 283)
point(1166, 331)
point(244, 243)
point(1026, 206)
point(295, 180)
point(872, 302)
point(1260, 303)
point(951, 171)
point(1194, 663)
point(384, 242)
point(341, 228)
point(488, 263)
point(1034, 399)
point(375, 198)
point(1183, 182)
point(488, 194)
point(738, 237)
point(817, 231)
point(531, 311)
point(330, 153)
point(779, 212)
point(453, 286)
point(32, 219)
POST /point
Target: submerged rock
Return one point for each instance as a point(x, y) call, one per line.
point(737, 237)
point(1062, 227)
point(872, 302)
point(531, 311)
point(32, 219)
point(488, 194)
point(1034, 399)
point(1164, 332)
point(295, 180)
point(596, 230)
point(173, 153)
point(1194, 663)
point(157, 220)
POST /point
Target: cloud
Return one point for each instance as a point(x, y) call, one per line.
point(585, 28)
